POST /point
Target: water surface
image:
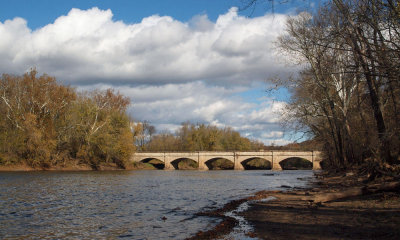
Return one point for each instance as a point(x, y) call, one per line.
point(124, 204)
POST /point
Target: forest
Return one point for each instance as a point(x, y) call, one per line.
point(46, 124)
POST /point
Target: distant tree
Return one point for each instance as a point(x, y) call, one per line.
point(164, 141)
point(201, 137)
point(143, 133)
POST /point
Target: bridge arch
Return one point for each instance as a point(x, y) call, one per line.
point(184, 164)
point(296, 163)
point(155, 162)
point(256, 163)
point(219, 163)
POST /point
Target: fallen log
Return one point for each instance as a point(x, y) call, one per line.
point(353, 192)
point(388, 186)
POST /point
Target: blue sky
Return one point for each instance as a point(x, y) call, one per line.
point(178, 60)
point(41, 12)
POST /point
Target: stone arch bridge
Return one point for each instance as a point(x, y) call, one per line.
point(238, 158)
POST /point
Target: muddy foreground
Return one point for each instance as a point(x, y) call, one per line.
point(293, 215)
point(296, 215)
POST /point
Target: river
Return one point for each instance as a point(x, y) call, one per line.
point(125, 204)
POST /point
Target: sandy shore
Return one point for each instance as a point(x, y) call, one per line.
point(293, 215)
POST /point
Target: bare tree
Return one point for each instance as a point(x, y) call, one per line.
point(351, 51)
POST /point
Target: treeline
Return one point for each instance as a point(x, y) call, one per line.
point(348, 95)
point(193, 137)
point(308, 145)
point(45, 124)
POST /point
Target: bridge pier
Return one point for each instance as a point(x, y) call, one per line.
point(202, 162)
point(237, 165)
point(316, 160)
point(238, 161)
point(316, 165)
point(276, 166)
point(167, 163)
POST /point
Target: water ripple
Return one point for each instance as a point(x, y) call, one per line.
point(124, 204)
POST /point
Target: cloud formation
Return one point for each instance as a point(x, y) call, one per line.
point(88, 46)
point(169, 105)
point(173, 71)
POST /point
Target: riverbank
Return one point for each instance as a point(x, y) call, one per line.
point(76, 167)
point(335, 207)
point(297, 214)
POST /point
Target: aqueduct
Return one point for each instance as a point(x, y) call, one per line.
point(237, 158)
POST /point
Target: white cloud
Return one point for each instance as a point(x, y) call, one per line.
point(89, 46)
point(173, 71)
point(169, 105)
point(176, 103)
point(272, 134)
point(270, 112)
point(277, 142)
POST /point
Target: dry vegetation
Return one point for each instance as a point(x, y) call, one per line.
point(48, 125)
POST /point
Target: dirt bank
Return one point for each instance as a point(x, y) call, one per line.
point(76, 167)
point(309, 214)
point(298, 214)
point(26, 168)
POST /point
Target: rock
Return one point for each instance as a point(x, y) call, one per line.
point(268, 174)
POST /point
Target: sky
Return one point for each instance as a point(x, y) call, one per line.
point(202, 61)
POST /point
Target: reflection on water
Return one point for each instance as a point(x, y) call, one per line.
point(124, 204)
